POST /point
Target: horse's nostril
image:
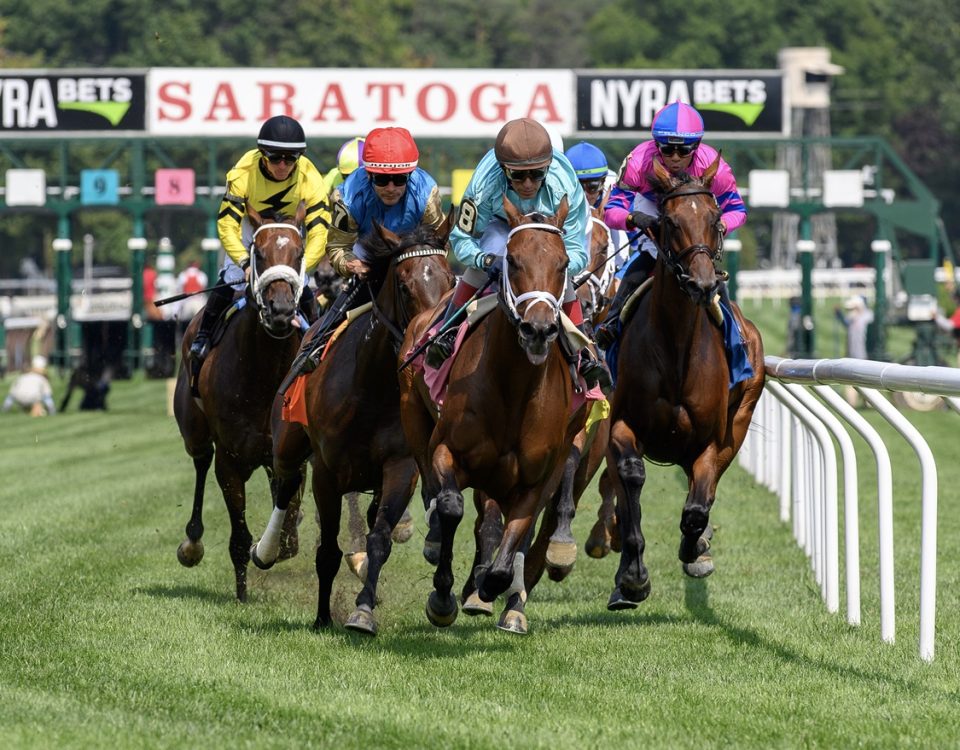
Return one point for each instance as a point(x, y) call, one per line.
point(527, 330)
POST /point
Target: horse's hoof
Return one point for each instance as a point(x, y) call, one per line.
point(512, 621)
point(620, 599)
point(289, 548)
point(561, 554)
point(358, 562)
point(441, 614)
point(474, 605)
point(255, 559)
point(189, 553)
point(403, 531)
point(322, 623)
point(693, 548)
point(431, 552)
point(699, 569)
point(362, 621)
point(558, 574)
point(598, 543)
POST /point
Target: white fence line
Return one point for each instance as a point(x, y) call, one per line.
point(790, 451)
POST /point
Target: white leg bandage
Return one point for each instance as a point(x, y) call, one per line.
point(269, 545)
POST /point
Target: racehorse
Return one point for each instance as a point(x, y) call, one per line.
point(230, 417)
point(673, 401)
point(503, 426)
point(353, 421)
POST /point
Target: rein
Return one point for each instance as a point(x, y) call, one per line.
point(281, 272)
point(510, 298)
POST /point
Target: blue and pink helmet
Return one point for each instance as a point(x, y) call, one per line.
point(678, 123)
point(588, 161)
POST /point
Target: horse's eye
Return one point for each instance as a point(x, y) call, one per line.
point(512, 262)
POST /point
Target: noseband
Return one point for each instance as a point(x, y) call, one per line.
point(510, 299)
point(280, 272)
point(674, 260)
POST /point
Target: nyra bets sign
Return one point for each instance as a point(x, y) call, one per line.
point(332, 102)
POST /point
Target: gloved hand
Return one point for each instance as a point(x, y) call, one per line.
point(640, 220)
point(491, 264)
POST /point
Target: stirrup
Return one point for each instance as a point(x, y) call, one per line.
point(199, 348)
point(441, 349)
point(605, 334)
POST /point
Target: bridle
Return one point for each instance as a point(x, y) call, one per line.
point(509, 298)
point(280, 272)
point(396, 329)
point(597, 285)
point(675, 260)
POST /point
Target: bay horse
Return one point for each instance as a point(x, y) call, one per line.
point(230, 418)
point(673, 401)
point(353, 426)
point(503, 427)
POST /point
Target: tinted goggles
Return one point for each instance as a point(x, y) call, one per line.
point(593, 184)
point(519, 175)
point(382, 180)
point(275, 157)
point(681, 149)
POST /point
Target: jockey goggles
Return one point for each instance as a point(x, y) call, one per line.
point(519, 175)
point(275, 157)
point(593, 184)
point(381, 179)
point(681, 149)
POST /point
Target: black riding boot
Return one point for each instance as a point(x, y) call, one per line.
point(308, 305)
point(606, 332)
point(594, 369)
point(217, 302)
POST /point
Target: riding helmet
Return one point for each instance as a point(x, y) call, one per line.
point(523, 144)
point(678, 123)
point(390, 151)
point(350, 156)
point(588, 161)
point(282, 133)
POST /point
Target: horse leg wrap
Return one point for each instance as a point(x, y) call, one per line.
point(516, 586)
point(269, 545)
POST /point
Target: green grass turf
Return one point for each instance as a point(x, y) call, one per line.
point(106, 641)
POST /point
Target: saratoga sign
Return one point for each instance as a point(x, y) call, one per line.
point(331, 102)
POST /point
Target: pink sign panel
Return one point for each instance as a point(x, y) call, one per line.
point(174, 187)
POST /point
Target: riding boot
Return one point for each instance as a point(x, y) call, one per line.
point(442, 347)
point(608, 331)
point(592, 369)
point(308, 306)
point(217, 302)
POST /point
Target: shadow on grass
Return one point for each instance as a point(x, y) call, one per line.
point(185, 592)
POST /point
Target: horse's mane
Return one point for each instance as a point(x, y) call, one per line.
point(374, 244)
point(273, 215)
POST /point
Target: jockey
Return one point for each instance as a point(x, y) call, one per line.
point(349, 159)
point(677, 134)
point(597, 180)
point(273, 178)
point(390, 190)
point(536, 177)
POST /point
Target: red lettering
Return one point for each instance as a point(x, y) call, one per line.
point(334, 99)
point(449, 95)
point(276, 100)
point(223, 98)
point(167, 94)
point(500, 108)
point(385, 89)
point(543, 101)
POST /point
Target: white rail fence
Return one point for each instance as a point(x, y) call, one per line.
point(790, 450)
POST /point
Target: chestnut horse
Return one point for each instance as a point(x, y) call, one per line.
point(353, 429)
point(230, 420)
point(503, 426)
point(673, 401)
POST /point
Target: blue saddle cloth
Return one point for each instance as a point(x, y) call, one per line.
point(738, 363)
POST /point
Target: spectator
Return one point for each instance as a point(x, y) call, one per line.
point(856, 320)
point(31, 390)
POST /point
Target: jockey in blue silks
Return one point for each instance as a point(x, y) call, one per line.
point(524, 166)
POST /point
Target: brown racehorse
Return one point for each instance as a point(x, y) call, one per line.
point(673, 402)
point(503, 427)
point(353, 428)
point(236, 386)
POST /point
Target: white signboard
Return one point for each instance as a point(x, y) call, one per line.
point(337, 102)
point(25, 187)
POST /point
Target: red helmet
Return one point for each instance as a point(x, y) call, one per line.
point(390, 151)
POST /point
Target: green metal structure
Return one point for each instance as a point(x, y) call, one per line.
point(899, 203)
